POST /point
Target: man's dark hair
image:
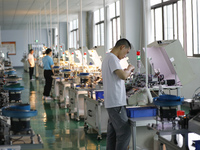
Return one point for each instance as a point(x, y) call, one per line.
point(30, 50)
point(48, 51)
point(123, 42)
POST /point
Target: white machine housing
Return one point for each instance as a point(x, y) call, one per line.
point(95, 57)
point(169, 57)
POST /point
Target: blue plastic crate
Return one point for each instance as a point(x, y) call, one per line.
point(99, 95)
point(197, 145)
point(141, 112)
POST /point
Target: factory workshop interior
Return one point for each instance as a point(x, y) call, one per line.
point(162, 93)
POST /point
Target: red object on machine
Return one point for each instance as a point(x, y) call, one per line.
point(138, 53)
point(180, 113)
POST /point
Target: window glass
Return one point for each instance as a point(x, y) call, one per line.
point(102, 33)
point(180, 22)
point(101, 14)
point(189, 28)
point(112, 10)
point(118, 28)
point(96, 16)
point(158, 24)
point(114, 29)
point(74, 37)
point(152, 26)
point(168, 22)
point(195, 37)
point(198, 27)
point(117, 8)
point(175, 21)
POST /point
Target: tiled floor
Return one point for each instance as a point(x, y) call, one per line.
point(53, 122)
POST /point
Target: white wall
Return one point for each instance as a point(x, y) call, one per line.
point(21, 39)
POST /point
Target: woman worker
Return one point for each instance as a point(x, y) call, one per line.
point(48, 72)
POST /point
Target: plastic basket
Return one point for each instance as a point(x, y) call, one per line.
point(99, 95)
point(197, 144)
point(141, 112)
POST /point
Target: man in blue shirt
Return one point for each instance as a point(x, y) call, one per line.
point(48, 72)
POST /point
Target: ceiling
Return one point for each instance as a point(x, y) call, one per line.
point(17, 14)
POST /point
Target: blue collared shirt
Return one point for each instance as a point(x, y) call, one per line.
point(47, 62)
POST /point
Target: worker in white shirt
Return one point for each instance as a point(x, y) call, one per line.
point(118, 130)
point(31, 61)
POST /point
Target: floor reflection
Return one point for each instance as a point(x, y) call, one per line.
point(32, 97)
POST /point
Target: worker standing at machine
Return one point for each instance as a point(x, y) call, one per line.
point(118, 130)
point(31, 61)
point(48, 72)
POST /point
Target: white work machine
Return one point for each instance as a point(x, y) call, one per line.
point(165, 77)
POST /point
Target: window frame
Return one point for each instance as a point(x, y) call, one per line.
point(114, 39)
point(191, 40)
point(74, 31)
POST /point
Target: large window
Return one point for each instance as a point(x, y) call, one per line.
point(115, 21)
point(99, 27)
point(177, 19)
point(74, 35)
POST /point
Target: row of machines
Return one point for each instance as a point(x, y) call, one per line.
point(15, 127)
point(78, 86)
point(78, 83)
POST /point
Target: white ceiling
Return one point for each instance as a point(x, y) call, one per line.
point(17, 14)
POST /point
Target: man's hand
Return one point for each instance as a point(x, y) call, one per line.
point(131, 68)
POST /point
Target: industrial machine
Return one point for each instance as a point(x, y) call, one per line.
point(165, 77)
point(15, 129)
point(95, 58)
point(95, 114)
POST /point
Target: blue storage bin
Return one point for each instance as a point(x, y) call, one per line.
point(197, 145)
point(99, 95)
point(56, 67)
point(141, 112)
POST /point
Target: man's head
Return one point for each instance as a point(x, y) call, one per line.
point(31, 51)
point(122, 48)
point(48, 51)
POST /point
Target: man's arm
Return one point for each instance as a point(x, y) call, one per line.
point(52, 69)
point(29, 62)
point(124, 74)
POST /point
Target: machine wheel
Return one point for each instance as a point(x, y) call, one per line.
point(99, 137)
point(85, 127)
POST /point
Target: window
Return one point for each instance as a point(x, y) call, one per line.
point(177, 19)
point(99, 27)
point(74, 35)
point(193, 25)
point(115, 21)
point(164, 18)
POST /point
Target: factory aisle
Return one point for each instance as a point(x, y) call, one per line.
point(53, 122)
